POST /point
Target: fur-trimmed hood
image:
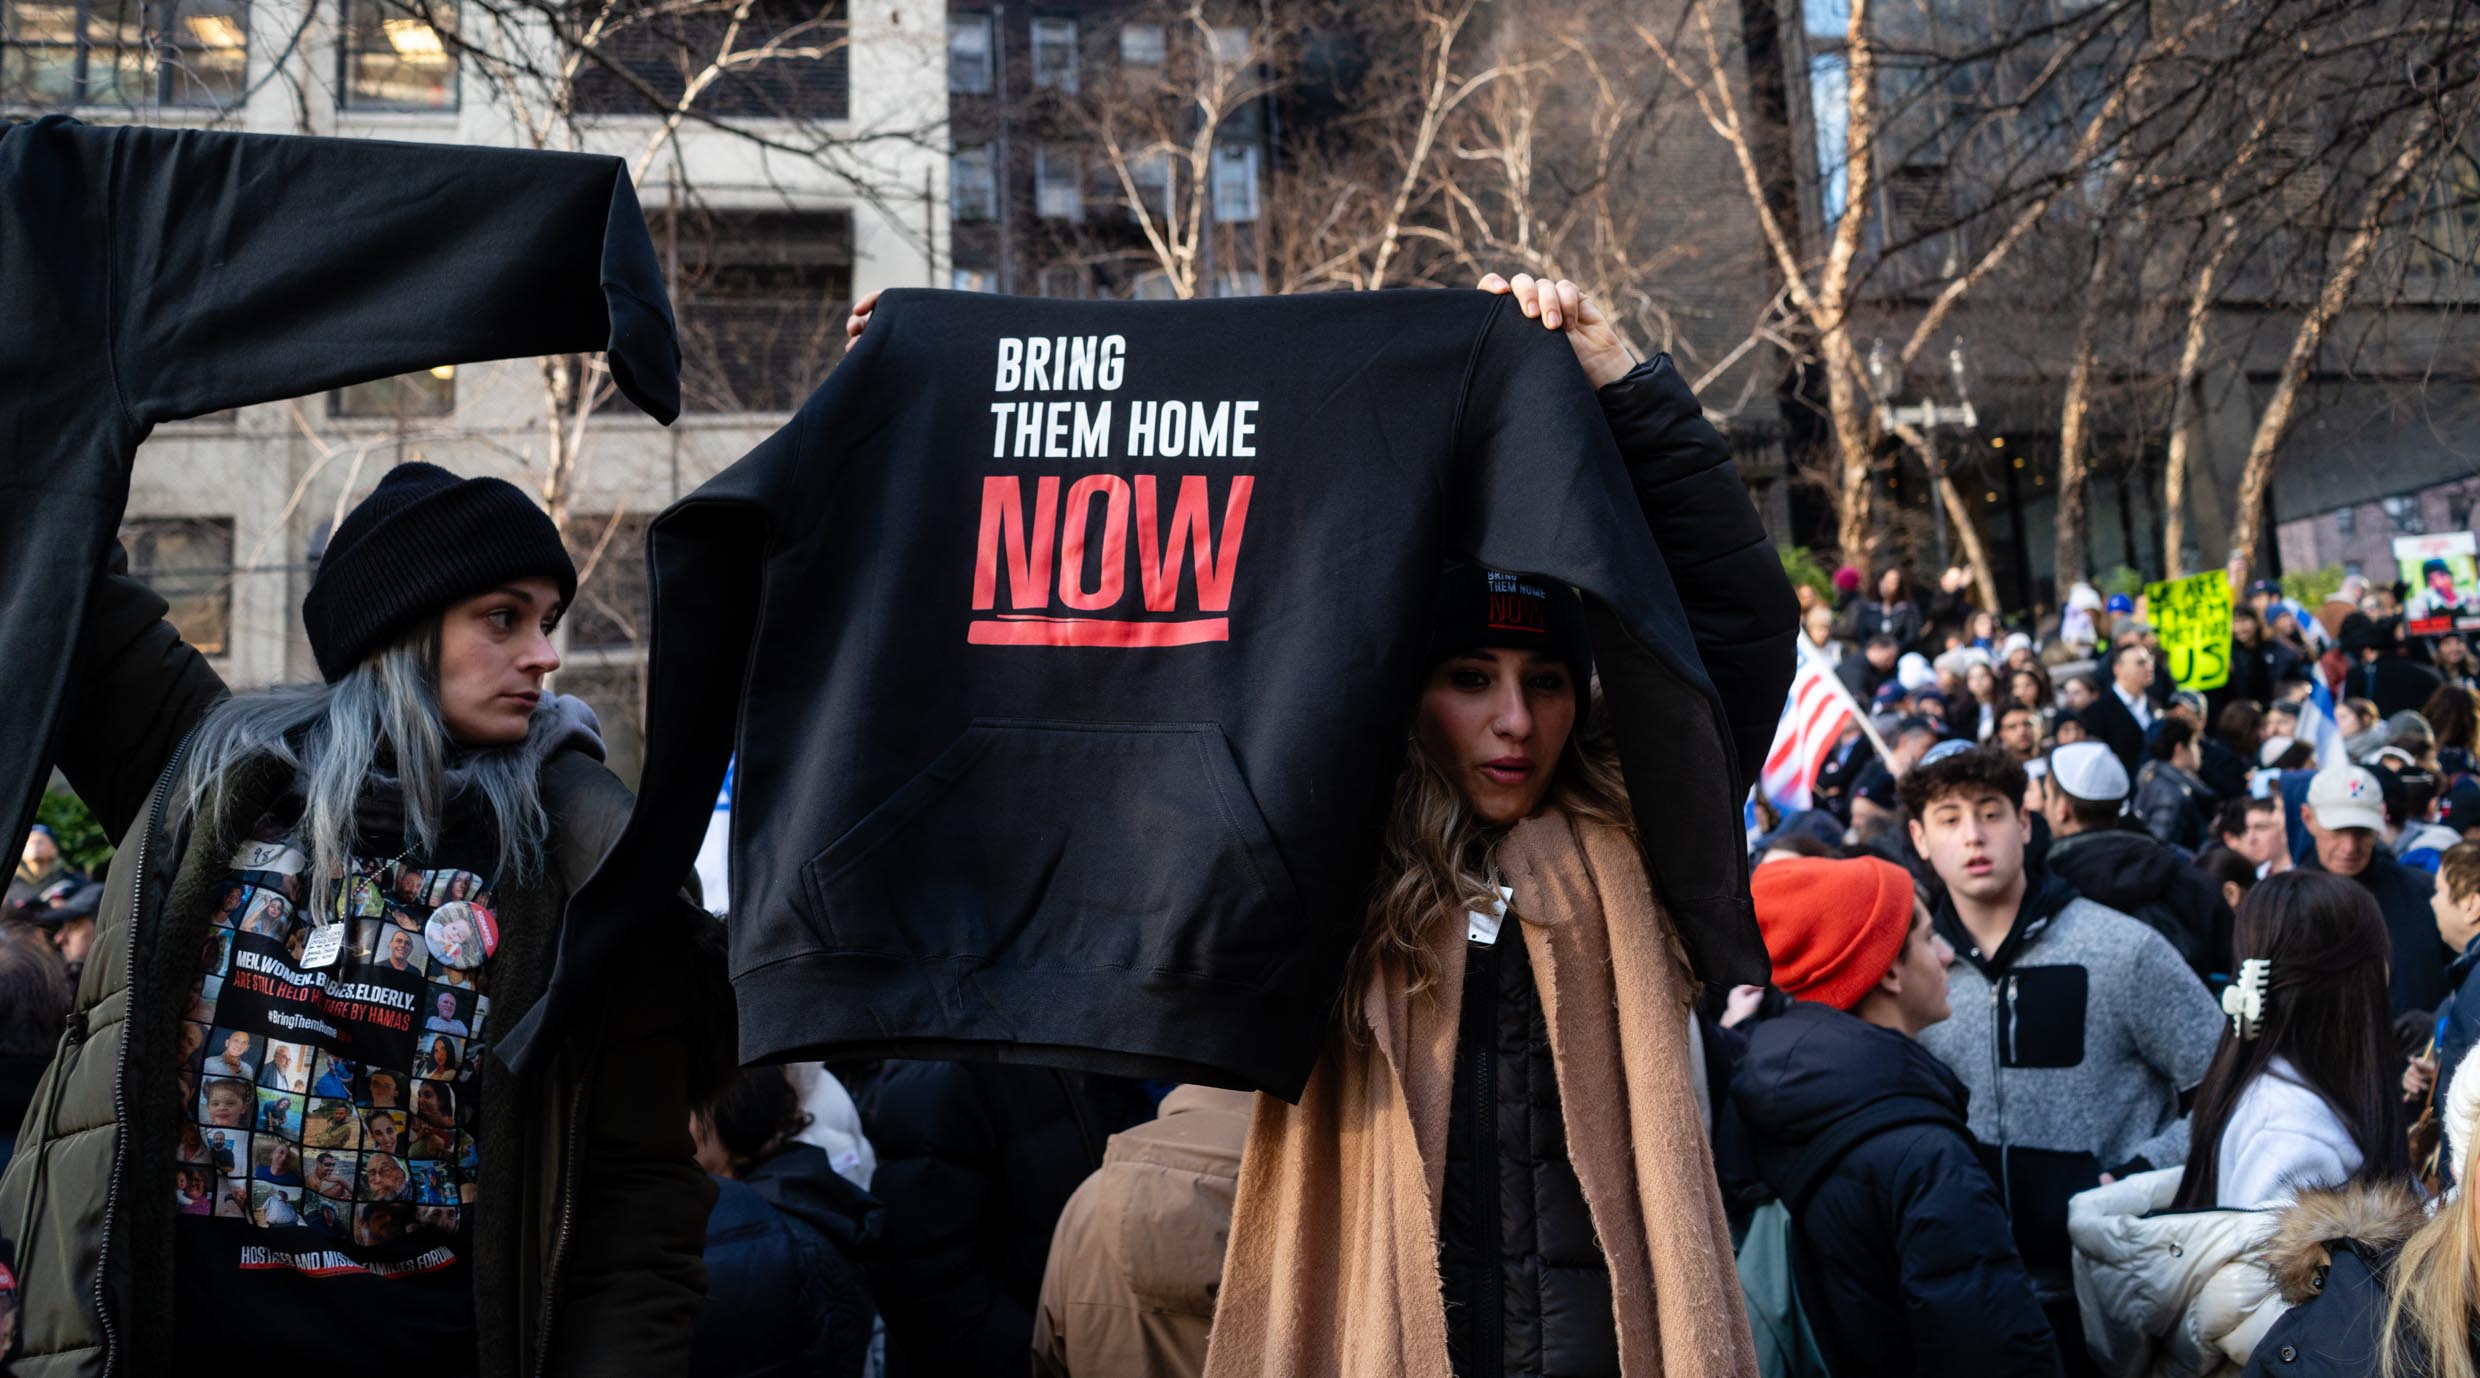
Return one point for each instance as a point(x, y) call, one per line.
point(2373, 1218)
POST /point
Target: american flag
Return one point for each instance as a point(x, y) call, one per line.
point(1820, 710)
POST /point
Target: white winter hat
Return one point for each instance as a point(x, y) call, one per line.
point(2084, 596)
point(2089, 771)
point(1913, 670)
point(2347, 797)
point(2015, 641)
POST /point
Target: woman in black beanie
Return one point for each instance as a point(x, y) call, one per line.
point(398, 837)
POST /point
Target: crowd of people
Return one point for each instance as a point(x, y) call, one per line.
point(2112, 1028)
point(2198, 1001)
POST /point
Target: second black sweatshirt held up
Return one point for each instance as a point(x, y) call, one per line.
point(151, 275)
point(1068, 651)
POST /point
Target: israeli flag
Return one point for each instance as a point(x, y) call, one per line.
point(2317, 726)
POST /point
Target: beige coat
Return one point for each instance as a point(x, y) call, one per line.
point(1138, 1256)
point(1333, 1267)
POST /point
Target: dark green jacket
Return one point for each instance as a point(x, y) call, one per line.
point(587, 1256)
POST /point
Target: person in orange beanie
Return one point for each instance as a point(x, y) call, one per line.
point(1907, 1264)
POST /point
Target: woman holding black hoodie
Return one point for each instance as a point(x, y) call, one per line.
point(1507, 742)
point(1513, 955)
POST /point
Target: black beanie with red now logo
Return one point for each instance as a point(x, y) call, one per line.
point(1480, 608)
point(422, 540)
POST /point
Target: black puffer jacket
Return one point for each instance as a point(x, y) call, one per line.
point(2132, 873)
point(1907, 1262)
point(1528, 1292)
point(975, 1162)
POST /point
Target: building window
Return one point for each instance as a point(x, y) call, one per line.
point(1229, 45)
point(2346, 521)
point(128, 53)
point(1244, 283)
point(968, 54)
point(188, 561)
point(972, 184)
point(789, 61)
point(1150, 170)
point(1152, 285)
point(972, 280)
point(1235, 183)
point(2447, 242)
point(1058, 193)
point(398, 55)
point(1141, 45)
point(2404, 513)
point(761, 304)
point(1054, 54)
point(1065, 281)
point(403, 397)
point(1829, 85)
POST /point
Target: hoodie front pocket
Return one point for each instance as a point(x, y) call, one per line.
point(1064, 846)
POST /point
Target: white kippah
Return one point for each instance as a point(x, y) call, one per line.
point(2089, 771)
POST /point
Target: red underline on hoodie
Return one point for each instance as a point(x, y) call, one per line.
point(1093, 631)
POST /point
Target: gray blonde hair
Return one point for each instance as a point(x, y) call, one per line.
point(332, 736)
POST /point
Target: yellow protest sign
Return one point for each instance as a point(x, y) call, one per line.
point(2193, 617)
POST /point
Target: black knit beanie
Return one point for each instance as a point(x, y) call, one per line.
point(1480, 607)
point(422, 540)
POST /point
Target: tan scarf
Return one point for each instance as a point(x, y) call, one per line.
point(1332, 1270)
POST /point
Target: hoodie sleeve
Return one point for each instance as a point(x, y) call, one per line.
point(2176, 1025)
point(1731, 583)
point(1540, 488)
point(135, 690)
point(1967, 1301)
point(251, 267)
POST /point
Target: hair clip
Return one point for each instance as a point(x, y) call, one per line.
point(2244, 999)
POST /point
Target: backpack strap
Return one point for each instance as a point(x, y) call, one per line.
point(1808, 1171)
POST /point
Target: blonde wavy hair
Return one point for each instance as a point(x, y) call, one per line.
point(1438, 857)
point(2433, 1288)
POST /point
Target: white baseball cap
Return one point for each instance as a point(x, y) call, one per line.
point(2347, 797)
point(2090, 771)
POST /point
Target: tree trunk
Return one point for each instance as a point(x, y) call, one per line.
point(2257, 475)
point(1855, 479)
point(1855, 435)
point(1960, 516)
point(2075, 428)
point(2184, 422)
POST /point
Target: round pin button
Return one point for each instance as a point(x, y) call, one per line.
point(461, 934)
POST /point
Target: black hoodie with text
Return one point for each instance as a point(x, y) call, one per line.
point(1069, 649)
